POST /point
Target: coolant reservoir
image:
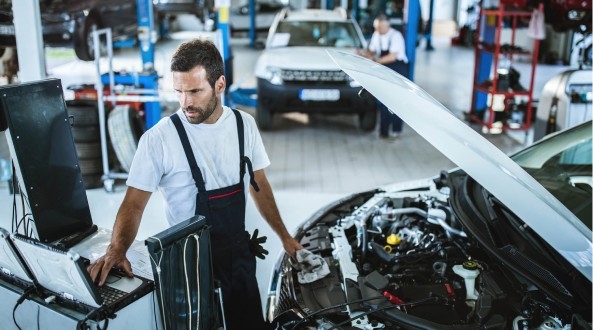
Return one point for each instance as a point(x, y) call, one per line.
point(469, 271)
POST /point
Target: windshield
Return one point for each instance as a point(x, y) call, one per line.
point(562, 164)
point(315, 33)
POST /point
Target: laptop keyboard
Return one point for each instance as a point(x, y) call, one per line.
point(110, 294)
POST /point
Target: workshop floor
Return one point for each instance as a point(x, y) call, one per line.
point(315, 159)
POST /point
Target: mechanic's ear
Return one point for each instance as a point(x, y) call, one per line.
point(220, 84)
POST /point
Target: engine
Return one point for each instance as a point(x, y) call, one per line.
point(402, 261)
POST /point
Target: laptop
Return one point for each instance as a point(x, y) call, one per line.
point(62, 274)
point(12, 267)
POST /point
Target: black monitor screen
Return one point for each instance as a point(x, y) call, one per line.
point(46, 155)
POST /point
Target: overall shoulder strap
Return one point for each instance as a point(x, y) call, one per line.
point(189, 154)
point(244, 159)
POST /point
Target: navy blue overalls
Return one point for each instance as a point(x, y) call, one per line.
point(386, 116)
point(232, 261)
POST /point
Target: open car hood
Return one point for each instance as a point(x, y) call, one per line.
point(480, 159)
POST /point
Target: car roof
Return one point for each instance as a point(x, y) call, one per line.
point(325, 15)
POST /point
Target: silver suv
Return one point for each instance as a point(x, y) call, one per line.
point(295, 74)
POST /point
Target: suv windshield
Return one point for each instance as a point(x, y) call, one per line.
point(562, 164)
point(315, 33)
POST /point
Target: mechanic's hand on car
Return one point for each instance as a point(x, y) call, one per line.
point(291, 246)
point(113, 258)
point(255, 245)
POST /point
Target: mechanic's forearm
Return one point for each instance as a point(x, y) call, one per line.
point(266, 204)
point(128, 219)
point(125, 229)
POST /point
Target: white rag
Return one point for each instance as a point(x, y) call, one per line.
point(312, 266)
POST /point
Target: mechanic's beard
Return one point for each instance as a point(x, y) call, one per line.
point(203, 113)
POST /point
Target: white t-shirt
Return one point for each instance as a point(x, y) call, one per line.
point(160, 162)
point(392, 40)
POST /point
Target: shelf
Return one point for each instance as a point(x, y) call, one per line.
point(490, 95)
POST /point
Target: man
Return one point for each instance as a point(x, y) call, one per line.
point(387, 47)
point(197, 158)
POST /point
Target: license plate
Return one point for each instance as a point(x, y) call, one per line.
point(7, 30)
point(319, 94)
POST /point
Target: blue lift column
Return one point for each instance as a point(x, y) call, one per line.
point(146, 81)
point(252, 23)
point(148, 78)
point(223, 25)
point(412, 34)
point(486, 60)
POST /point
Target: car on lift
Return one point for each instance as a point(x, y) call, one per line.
point(497, 243)
point(202, 9)
point(70, 23)
point(295, 74)
point(265, 12)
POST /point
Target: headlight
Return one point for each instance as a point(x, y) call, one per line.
point(576, 15)
point(353, 83)
point(274, 75)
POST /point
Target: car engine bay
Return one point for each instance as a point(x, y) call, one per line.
point(401, 260)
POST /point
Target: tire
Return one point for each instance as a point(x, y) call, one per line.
point(84, 113)
point(264, 117)
point(83, 40)
point(90, 166)
point(125, 128)
point(88, 150)
point(367, 120)
point(92, 181)
point(86, 133)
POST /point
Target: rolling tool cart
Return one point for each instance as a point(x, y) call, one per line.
point(120, 119)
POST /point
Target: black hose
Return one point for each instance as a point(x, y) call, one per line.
point(382, 254)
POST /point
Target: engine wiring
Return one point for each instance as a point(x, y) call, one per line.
point(417, 302)
point(309, 316)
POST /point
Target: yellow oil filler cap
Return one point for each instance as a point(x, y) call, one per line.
point(393, 239)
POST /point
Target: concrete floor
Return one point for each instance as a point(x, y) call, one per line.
point(315, 159)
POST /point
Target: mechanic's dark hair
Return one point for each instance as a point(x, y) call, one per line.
point(200, 52)
point(382, 18)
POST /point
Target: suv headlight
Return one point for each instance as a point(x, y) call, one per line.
point(353, 83)
point(576, 15)
point(274, 75)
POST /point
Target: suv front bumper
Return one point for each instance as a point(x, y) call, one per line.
point(287, 98)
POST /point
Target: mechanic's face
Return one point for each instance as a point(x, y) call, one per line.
point(381, 26)
point(199, 101)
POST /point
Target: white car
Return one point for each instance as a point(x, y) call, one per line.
point(498, 243)
point(295, 74)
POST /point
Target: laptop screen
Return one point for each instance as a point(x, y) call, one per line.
point(61, 272)
point(11, 265)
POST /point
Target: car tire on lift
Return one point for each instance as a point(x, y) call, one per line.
point(367, 120)
point(83, 40)
point(264, 117)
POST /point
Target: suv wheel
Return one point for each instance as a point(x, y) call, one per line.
point(264, 117)
point(367, 120)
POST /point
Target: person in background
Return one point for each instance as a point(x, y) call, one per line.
point(203, 159)
point(387, 47)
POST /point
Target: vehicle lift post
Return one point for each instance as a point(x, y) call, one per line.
point(223, 25)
